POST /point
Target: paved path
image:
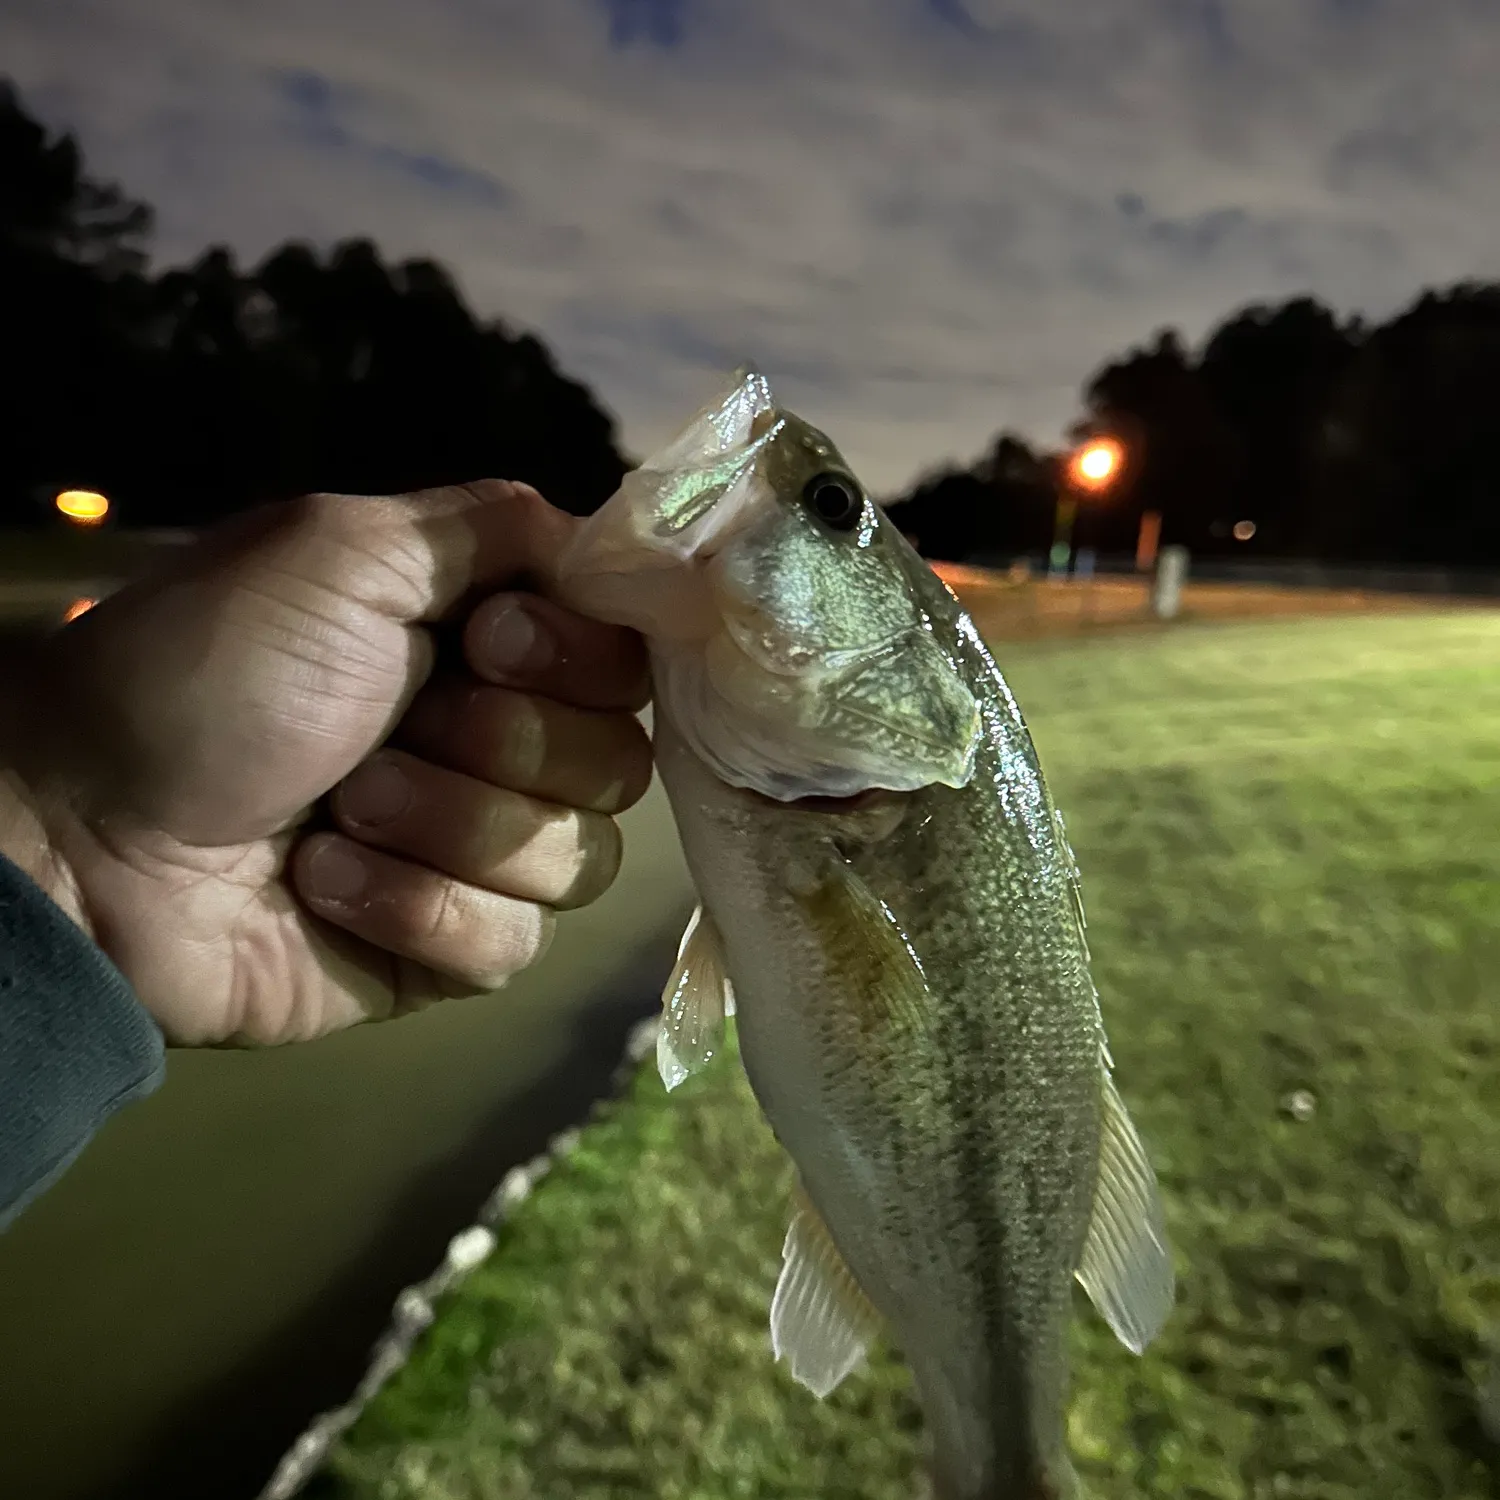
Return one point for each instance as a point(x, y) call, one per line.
point(1008, 609)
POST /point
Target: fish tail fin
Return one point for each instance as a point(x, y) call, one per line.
point(1060, 1482)
point(1004, 1473)
point(1006, 1445)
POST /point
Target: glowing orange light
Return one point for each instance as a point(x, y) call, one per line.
point(78, 607)
point(1244, 530)
point(1095, 465)
point(86, 507)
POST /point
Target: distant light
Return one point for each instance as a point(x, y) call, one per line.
point(1095, 464)
point(78, 607)
point(1244, 530)
point(86, 507)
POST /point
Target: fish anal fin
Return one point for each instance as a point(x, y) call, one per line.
point(821, 1322)
point(697, 997)
point(1126, 1267)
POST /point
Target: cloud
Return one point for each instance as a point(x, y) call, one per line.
point(319, 117)
point(653, 22)
point(926, 219)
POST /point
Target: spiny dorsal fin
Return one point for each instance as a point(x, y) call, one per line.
point(1127, 1265)
point(694, 1003)
point(821, 1322)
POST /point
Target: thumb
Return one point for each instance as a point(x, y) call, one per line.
point(433, 551)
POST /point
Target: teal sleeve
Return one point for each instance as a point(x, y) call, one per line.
point(75, 1043)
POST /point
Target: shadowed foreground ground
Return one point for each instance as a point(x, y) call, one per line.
point(1288, 835)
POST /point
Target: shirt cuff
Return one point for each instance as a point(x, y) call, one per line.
point(75, 1043)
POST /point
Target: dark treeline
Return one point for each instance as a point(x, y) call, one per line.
point(1340, 441)
point(191, 393)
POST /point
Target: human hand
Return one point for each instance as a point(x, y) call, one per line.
point(173, 745)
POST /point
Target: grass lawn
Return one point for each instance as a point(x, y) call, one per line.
point(1290, 841)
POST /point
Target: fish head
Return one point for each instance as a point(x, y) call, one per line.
point(790, 645)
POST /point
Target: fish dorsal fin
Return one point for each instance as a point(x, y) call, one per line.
point(1127, 1265)
point(821, 1322)
point(694, 1003)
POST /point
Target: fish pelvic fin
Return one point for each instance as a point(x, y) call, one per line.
point(821, 1322)
point(697, 997)
point(1126, 1266)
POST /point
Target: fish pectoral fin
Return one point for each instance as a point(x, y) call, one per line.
point(1127, 1264)
point(694, 1003)
point(821, 1322)
point(863, 940)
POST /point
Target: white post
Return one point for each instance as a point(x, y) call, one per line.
point(1166, 587)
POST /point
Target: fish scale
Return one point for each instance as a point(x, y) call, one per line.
point(889, 901)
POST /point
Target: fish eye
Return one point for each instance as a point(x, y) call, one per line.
point(834, 500)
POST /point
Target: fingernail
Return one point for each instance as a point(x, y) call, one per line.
point(514, 642)
point(376, 793)
point(334, 872)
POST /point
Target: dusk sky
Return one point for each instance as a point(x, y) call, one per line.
point(926, 219)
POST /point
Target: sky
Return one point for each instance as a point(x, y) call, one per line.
point(926, 220)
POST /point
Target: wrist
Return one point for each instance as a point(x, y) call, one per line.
point(24, 842)
point(25, 839)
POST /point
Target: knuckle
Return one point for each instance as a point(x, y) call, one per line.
point(519, 939)
point(544, 929)
point(501, 824)
point(477, 934)
point(598, 852)
point(479, 491)
point(521, 737)
point(322, 512)
point(370, 544)
point(623, 772)
point(440, 913)
point(529, 501)
point(639, 765)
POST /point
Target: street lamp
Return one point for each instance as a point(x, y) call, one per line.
point(82, 507)
point(1095, 464)
point(1091, 470)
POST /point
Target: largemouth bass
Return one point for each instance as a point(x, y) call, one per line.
point(890, 908)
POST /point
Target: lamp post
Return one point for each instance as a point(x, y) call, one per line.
point(1090, 471)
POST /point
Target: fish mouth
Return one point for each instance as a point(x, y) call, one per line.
point(857, 802)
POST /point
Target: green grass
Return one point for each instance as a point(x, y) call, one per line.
point(1290, 841)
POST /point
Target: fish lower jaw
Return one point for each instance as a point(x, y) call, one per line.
point(856, 802)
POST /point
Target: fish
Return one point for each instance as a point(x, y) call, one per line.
point(889, 907)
